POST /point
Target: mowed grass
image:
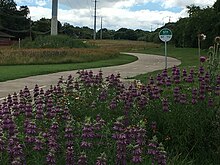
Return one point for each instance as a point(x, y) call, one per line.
point(105, 53)
point(20, 71)
point(188, 56)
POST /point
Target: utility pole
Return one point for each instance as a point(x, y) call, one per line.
point(101, 30)
point(94, 36)
point(54, 17)
point(30, 28)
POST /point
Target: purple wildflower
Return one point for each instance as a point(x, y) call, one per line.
point(101, 160)
point(202, 59)
point(70, 156)
point(113, 104)
point(87, 134)
point(183, 99)
point(176, 94)
point(136, 159)
point(51, 158)
point(82, 159)
point(38, 144)
point(165, 105)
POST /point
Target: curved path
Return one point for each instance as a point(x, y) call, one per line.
point(144, 64)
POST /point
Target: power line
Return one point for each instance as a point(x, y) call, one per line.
point(89, 4)
point(101, 30)
point(70, 5)
point(79, 4)
point(16, 31)
point(24, 31)
point(40, 33)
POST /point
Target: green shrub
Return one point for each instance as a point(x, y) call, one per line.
point(59, 41)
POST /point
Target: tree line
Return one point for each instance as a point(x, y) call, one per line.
point(17, 22)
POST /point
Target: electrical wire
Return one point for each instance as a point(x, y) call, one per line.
point(70, 5)
point(80, 6)
point(37, 32)
point(16, 31)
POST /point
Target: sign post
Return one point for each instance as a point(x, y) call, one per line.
point(165, 35)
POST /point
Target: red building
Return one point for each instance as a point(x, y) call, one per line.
point(5, 39)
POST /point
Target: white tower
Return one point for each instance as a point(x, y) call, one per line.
point(54, 17)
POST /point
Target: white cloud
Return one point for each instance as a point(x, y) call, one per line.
point(184, 3)
point(115, 13)
point(41, 2)
point(37, 13)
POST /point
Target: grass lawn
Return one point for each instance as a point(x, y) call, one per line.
point(19, 71)
point(188, 56)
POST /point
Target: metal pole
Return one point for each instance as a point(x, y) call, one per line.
point(199, 46)
point(165, 55)
point(30, 29)
point(94, 36)
point(101, 30)
point(54, 17)
point(19, 43)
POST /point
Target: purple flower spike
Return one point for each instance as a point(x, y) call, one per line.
point(38, 144)
point(184, 73)
point(136, 159)
point(202, 59)
point(165, 105)
point(101, 160)
point(154, 126)
point(51, 158)
point(217, 90)
point(201, 70)
point(183, 99)
point(82, 159)
point(70, 156)
point(113, 105)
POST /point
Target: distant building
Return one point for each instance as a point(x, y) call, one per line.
point(5, 39)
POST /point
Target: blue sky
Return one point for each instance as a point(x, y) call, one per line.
point(133, 14)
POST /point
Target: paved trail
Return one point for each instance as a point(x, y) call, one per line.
point(144, 64)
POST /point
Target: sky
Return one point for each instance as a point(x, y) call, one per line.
point(133, 14)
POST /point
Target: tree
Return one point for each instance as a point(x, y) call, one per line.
point(8, 5)
point(206, 21)
point(69, 30)
point(14, 21)
point(216, 6)
point(106, 34)
point(43, 27)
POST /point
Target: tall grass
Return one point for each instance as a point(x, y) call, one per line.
point(59, 41)
point(54, 56)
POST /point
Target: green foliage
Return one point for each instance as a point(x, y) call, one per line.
point(105, 114)
point(77, 32)
point(59, 41)
point(42, 27)
point(204, 21)
point(14, 21)
point(214, 59)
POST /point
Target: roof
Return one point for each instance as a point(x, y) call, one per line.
point(4, 35)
